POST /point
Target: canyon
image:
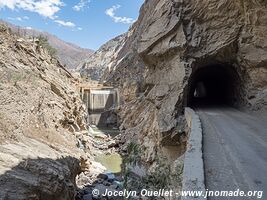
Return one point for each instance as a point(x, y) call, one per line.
point(209, 55)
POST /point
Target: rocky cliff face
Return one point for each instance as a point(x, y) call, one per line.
point(105, 58)
point(172, 42)
point(39, 112)
point(117, 63)
point(127, 69)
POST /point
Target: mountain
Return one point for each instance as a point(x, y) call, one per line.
point(68, 54)
point(103, 59)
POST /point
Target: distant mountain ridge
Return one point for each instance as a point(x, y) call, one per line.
point(70, 55)
point(104, 59)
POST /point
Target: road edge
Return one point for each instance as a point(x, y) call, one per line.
point(193, 174)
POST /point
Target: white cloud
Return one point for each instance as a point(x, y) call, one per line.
point(81, 5)
point(80, 29)
point(64, 23)
point(45, 8)
point(19, 18)
point(111, 12)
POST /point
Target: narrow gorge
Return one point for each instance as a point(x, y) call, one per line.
point(152, 109)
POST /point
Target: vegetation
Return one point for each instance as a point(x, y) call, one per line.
point(134, 152)
point(159, 178)
point(13, 77)
point(43, 42)
point(162, 175)
point(16, 77)
point(133, 158)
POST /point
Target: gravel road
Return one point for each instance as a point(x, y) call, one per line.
point(235, 151)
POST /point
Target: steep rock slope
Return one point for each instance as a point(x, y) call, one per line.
point(68, 54)
point(39, 112)
point(173, 40)
point(128, 70)
point(105, 58)
point(117, 63)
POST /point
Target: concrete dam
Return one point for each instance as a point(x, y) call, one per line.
point(100, 102)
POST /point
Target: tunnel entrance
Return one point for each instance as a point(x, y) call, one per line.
point(214, 85)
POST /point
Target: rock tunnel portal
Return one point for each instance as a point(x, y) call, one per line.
point(214, 85)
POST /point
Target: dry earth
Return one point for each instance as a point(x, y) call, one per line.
point(40, 111)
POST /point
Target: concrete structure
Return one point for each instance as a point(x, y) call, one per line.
point(100, 101)
point(193, 174)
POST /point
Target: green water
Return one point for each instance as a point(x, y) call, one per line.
point(112, 162)
point(105, 130)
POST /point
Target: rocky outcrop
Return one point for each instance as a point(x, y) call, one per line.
point(127, 71)
point(40, 178)
point(117, 63)
point(173, 40)
point(40, 111)
point(105, 58)
point(70, 55)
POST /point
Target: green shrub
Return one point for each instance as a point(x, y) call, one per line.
point(16, 77)
point(160, 177)
point(134, 153)
point(133, 158)
point(13, 77)
point(43, 42)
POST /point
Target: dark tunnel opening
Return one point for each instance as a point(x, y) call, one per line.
point(214, 85)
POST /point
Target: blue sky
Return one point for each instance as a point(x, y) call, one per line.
point(87, 23)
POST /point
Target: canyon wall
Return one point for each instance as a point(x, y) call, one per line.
point(105, 58)
point(169, 43)
point(40, 111)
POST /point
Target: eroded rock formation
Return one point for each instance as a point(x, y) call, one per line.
point(172, 42)
point(105, 58)
point(39, 112)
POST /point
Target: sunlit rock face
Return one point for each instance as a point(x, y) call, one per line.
point(169, 45)
point(40, 115)
point(105, 58)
